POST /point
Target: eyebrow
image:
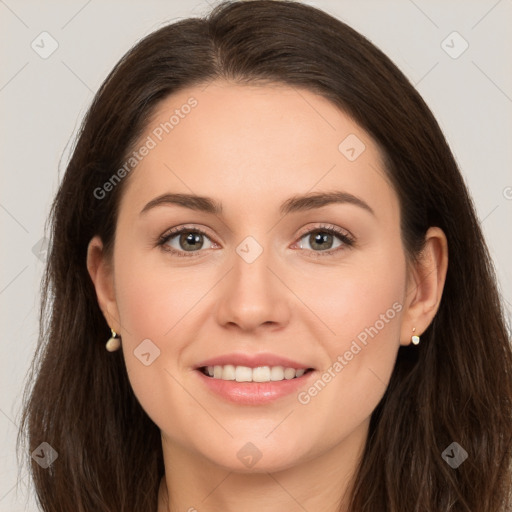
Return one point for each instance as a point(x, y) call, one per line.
point(296, 203)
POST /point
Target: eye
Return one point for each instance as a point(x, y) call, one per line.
point(183, 240)
point(322, 240)
point(188, 241)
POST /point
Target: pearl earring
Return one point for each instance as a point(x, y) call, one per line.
point(114, 342)
point(415, 339)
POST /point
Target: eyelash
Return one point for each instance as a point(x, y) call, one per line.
point(347, 240)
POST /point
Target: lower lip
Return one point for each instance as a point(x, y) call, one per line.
point(254, 393)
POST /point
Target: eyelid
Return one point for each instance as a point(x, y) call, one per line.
point(329, 228)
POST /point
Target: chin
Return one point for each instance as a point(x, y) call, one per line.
point(248, 457)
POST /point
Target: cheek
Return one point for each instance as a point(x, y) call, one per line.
point(364, 313)
point(152, 297)
point(356, 300)
point(151, 300)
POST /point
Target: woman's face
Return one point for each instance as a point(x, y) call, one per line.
point(264, 283)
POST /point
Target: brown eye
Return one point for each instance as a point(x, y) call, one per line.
point(184, 240)
point(325, 240)
point(190, 241)
point(320, 240)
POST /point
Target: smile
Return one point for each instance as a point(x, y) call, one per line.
point(231, 372)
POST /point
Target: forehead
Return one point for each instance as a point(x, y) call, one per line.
point(251, 145)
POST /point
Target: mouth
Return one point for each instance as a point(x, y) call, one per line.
point(253, 379)
point(257, 374)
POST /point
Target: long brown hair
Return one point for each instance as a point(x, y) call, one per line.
point(456, 386)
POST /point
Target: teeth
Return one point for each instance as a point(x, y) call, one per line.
point(259, 374)
point(262, 374)
point(227, 373)
point(277, 373)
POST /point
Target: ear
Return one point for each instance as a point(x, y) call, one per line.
point(102, 275)
point(425, 283)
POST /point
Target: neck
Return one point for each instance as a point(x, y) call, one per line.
point(193, 483)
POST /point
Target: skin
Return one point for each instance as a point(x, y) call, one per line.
point(251, 148)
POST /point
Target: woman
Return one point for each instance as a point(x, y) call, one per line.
point(264, 220)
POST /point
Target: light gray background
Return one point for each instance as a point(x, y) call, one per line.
point(43, 100)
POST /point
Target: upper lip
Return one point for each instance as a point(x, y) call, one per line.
point(253, 361)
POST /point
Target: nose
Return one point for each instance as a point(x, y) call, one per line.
point(252, 296)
